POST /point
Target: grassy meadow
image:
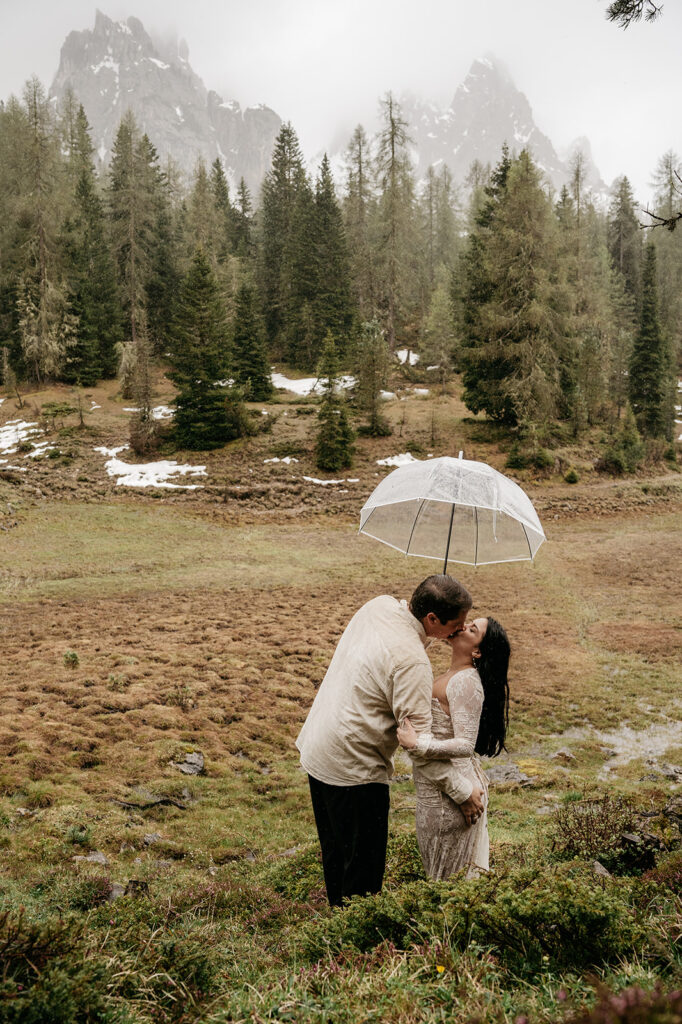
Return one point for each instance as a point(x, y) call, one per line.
point(142, 628)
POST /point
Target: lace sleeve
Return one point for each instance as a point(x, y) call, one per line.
point(465, 699)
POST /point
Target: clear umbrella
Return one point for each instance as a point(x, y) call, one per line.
point(453, 510)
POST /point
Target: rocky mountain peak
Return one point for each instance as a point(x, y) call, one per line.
point(117, 66)
point(486, 111)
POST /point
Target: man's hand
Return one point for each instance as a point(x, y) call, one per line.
point(472, 809)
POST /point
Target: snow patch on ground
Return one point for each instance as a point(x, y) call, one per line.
point(421, 391)
point(325, 483)
point(387, 396)
point(307, 385)
point(397, 460)
point(14, 432)
point(288, 459)
point(160, 412)
point(402, 355)
point(151, 474)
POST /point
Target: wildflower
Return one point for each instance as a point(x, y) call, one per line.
point(562, 995)
point(545, 959)
point(440, 968)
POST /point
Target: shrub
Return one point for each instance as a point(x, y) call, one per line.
point(403, 860)
point(298, 877)
point(565, 916)
point(625, 452)
point(571, 477)
point(516, 458)
point(667, 872)
point(598, 829)
point(71, 659)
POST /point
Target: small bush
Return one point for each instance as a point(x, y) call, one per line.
point(516, 458)
point(71, 659)
point(571, 477)
point(403, 860)
point(79, 835)
point(667, 872)
point(597, 830)
point(298, 877)
point(89, 891)
point(541, 459)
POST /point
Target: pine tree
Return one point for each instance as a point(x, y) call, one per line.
point(224, 221)
point(333, 309)
point(358, 208)
point(46, 326)
point(649, 385)
point(132, 221)
point(439, 345)
point(625, 237)
point(143, 426)
point(395, 228)
point(199, 358)
point(334, 444)
point(282, 185)
point(250, 363)
point(93, 295)
point(242, 223)
point(372, 367)
point(517, 326)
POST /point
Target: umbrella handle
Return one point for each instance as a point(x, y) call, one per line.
point(447, 546)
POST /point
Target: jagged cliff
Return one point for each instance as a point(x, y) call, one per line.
point(117, 66)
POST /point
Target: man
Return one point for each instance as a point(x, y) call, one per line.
point(379, 675)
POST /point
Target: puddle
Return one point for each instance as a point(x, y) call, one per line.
point(631, 744)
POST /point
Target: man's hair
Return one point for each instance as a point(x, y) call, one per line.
point(443, 596)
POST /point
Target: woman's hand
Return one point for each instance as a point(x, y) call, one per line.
point(407, 736)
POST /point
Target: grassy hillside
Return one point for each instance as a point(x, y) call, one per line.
point(140, 627)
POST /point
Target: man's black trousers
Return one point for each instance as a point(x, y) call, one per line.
point(352, 823)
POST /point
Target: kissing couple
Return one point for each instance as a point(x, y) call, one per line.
point(379, 691)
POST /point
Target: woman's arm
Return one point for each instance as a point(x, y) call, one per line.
point(465, 700)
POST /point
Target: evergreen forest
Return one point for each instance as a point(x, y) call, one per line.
point(559, 312)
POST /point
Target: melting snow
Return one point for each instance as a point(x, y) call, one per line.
point(421, 391)
point(324, 483)
point(179, 113)
point(307, 385)
point(160, 412)
point(150, 474)
point(14, 432)
point(397, 460)
point(387, 395)
point(159, 63)
point(402, 354)
point(287, 458)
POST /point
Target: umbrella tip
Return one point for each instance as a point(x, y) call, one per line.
point(461, 455)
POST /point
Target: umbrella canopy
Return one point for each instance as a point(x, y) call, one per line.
point(453, 510)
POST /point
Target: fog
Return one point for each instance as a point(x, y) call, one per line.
point(323, 64)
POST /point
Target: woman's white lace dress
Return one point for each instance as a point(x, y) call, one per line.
point(446, 843)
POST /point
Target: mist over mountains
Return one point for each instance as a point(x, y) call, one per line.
point(117, 65)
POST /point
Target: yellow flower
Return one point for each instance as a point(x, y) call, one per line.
point(440, 968)
point(545, 959)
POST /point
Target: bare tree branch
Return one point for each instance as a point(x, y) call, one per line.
point(624, 12)
point(665, 222)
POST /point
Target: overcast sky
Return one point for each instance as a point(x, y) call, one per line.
point(323, 64)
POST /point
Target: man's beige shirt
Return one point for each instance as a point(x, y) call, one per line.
point(380, 674)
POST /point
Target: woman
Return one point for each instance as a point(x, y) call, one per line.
point(470, 716)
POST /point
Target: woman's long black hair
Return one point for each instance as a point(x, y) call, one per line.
point(492, 667)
